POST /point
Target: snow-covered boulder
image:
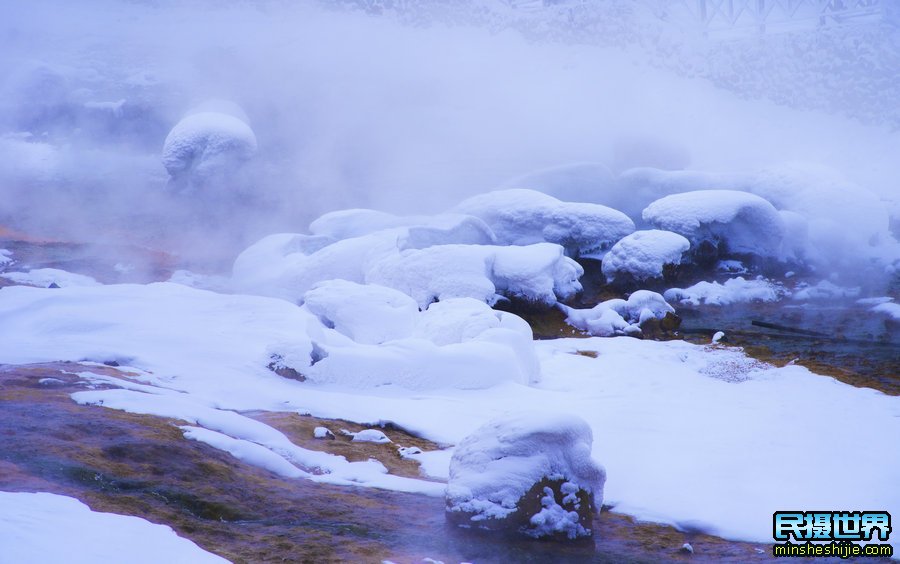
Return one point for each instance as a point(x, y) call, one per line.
point(207, 144)
point(457, 343)
point(733, 290)
point(368, 314)
point(287, 265)
point(643, 254)
point(539, 273)
point(622, 317)
point(523, 217)
point(528, 472)
point(743, 222)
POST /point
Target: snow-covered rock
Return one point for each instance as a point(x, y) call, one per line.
point(287, 265)
point(744, 222)
point(824, 290)
point(733, 290)
point(205, 144)
point(523, 217)
point(323, 433)
point(368, 314)
point(643, 254)
point(455, 343)
point(530, 472)
point(538, 273)
point(889, 309)
point(618, 316)
point(368, 436)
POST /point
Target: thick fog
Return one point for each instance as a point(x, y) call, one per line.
point(406, 107)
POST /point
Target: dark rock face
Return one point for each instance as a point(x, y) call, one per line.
point(278, 366)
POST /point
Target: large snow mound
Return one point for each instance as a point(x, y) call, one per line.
point(746, 223)
point(493, 468)
point(643, 254)
point(522, 217)
point(28, 520)
point(207, 143)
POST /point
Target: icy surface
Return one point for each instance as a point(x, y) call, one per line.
point(824, 290)
point(523, 217)
point(733, 290)
point(82, 535)
point(496, 465)
point(644, 253)
point(746, 222)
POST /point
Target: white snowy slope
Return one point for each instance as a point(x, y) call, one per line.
point(700, 437)
point(43, 527)
point(522, 217)
point(644, 253)
point(746, 222)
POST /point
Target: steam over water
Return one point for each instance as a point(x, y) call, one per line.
point(406, 107)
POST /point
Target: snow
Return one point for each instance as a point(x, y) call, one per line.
point(493, 468)
point(201, 358)
point(823, 290)
point(522, 217)
point(540, 273)
point(890, 309)
point(644, 253)
point(618, 316)
point(44, 277)
point(5, 258)
point(207, 143)
point(553, 519)
point(45, 527)
point(746, 222)
point(370, 436)
point(732, 291)
point(322, 433)
point(718, 336)
point(368, 314)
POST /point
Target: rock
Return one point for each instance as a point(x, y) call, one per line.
point(687, 548)
point(719, 337)
point(323, 433)
point(277, 365)
point(530, 473)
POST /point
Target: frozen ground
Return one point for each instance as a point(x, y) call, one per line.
point(700, 437)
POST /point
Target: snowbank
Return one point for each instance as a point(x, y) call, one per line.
point(493, 468)
point(44, 277)
point(522, 217)
point(44, 527)
point(617, 316)
point(733, 290)
point(644, 253)
point(744, 222)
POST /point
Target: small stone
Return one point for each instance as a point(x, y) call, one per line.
point(323, 433)
point(53, 285)
point(718, 337)
point(687, 548)
point(407, 452)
